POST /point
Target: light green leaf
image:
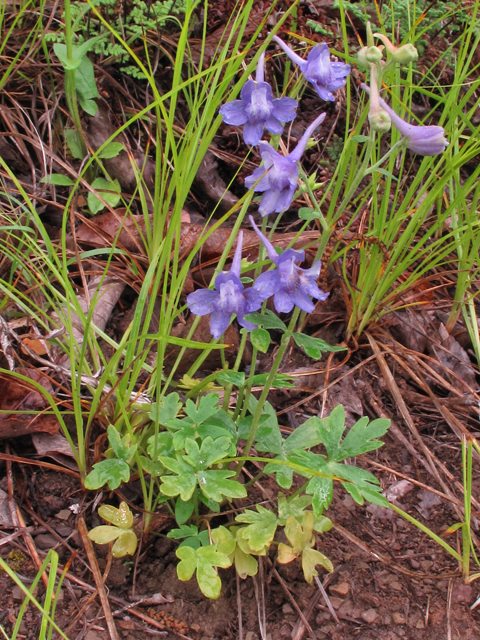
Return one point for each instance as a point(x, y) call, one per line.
point(104, 534)
point(214, 485)
point(167, 409)
point(207, 406)
point(113, 471)
point(261, 530)
point(305, 213)
point(260, 339)
point(236, 378)
point(322, 491)
point(361, 438)
point(294, 508)
point(267, 320)
point(182, 485)
point(210, 452)
point(204, 560)
point(111, 150)
point(184, 510)
point(121, 517)
point(314, 347)
point(245, 563)
point(164, 445)
point(126, 544)
point(73, 143)
point(310, 559)
point(122, 447)
point(109, 191)
point(58, 179)
point(331, 430)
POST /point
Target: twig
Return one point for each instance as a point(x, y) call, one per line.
point(82, 528)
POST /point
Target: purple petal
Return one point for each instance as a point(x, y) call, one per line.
point(292, 255)
point(340, 69)
point(202, 302)
point(264, 183)
point(318, 65)
point(272, 254)
point(284, 109)
point(268, 154)
point(219, 322)
point(253, 300)
point(269, 202)
point(324, 93)
point(297, 153)
point(290, 52)
point(283, 302)
point(237, 258)
point(261, 103)
point(285, 200)
point(246, 92)
point(301, 300)
point(234, 113)
point(260, 68)
point(311, 289)
point(252, 133)
point(314, 270)
point(274, 125)
point(267, 284)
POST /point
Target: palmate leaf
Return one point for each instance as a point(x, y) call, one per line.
point(361, 438)
point(113, 471)
point(207, 406)
point(204, 561)
point(261, 528)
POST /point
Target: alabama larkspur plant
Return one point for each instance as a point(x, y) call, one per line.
point(229, 297)
point(326, 76)
point(278, 176)
point(288, 283)
point(257, 109)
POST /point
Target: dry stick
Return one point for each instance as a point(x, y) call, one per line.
point(387, 559)
point(19, 523)
point(395, 391)
point(82, 528)
point(292, 599)
point(239, 607)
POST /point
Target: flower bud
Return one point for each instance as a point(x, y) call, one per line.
point(373, 55)
point(403, 55)
point(379, 120)
point(361, 56)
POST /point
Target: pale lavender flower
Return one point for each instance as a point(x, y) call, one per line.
point(325, 75)
point(426, 140)
point(257, 109)
point(278, 176)
point(229, 297)
point(289, 284)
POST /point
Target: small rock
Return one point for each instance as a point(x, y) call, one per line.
point(369, 616)
point(127, 624)
point(462, 594)
point(287, 608)
point(414, 563)
point(340, 589)
point(420, 624)
point(346, 609)
point(45, 541)
point(336, 602)
point(396, 585)
point(195, 627)
point(323, 617)
point(18, 594)
point(96, 635)
point(285, 631)
point(63, 530)
point(398, 617)
point(64, 514)
point(426, 565)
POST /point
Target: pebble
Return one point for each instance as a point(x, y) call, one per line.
point(420, 624)
point(336, 602)
point(340, 589)
point(396, 585)
point(45, 541)
point(195, 627)
point(287, 608)
point(63, 530)
point(398, 617)
point(369, 616)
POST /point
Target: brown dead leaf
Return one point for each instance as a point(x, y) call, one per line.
point(19, 396)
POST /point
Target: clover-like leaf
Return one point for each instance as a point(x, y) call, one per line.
point(204, 561)
point(121, 517)
point(113, 471)
point(215, 485)
point(261, 528)
point(207, 406)
point(167, 409)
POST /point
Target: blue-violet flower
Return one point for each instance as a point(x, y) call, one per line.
point(289, 284)
point(257, 109)
point(228, 297)
point(278, 176)
point(325, 75)
point(426, 140)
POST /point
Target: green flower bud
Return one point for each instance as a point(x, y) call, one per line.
point(405, 54)
point(361, 56)
point(373, 55)
point(379, 120)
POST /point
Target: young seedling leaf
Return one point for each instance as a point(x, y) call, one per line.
point(184, 510)
point(122, 447)
point(109, 191)
point(73, 143)
point(167, 409)
point(121, 517)
point(111, 150)
point(305, 213)
point(204, 561)
point(235, 378)
point(207, 406)
point(58, 180)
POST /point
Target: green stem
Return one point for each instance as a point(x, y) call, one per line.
point(268, 384)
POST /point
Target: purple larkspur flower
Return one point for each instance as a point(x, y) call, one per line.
point(278, 176)
point(289, 284)
point(229, 297)
point(325, 75)
point(426, 140)
point(257, 109)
